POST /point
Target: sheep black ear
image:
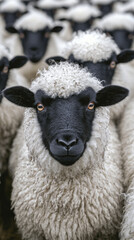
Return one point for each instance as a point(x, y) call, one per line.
point(20, 96)
point(11, 29)
point(56, 29)
point(56, 59)
point(111, 95)
point(125, 56)
point(18, 62)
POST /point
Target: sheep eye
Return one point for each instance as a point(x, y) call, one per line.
point(112, 64)
point(130, 36)
point(40, 107)
point(46, 35)
point(22, 35)
point(5, 69)
point(91, 106)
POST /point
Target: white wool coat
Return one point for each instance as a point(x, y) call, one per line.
point(126, 130)
point(82, 201)
point(27, 22)
point(95, 46)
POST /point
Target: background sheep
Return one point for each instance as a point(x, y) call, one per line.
point(102, 57)
point(105, 6)
point(10, 11)
point(10, 115)
point(34, 40)
point(51, 192)
point(120, 26)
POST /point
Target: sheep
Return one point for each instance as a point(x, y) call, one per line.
point(105, 6)
point(100, 54)
point(10, 11)
point(34, 39)
point(80, 17)
point(50, 6)
point(120, 26)
point(126, 129)
point(10, 115)
point(75, 193)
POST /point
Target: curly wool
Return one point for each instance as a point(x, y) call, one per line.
point(90, 46)
point(126, 130)
point(79, 13)
point(115, 21)
point(49, 197)
point(28, 22)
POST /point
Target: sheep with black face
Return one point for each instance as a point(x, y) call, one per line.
point(105, 6)
point(120, 26)
point(101, 56)
point(33, 38)
point(10, 11)
point(68, 175)
point(10, 115)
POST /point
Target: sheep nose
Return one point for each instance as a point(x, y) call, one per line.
point(67, 142)
point(33, 49)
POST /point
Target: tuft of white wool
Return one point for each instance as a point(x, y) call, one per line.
point(120, 7)
point(12, 6)
point(114, 21)
point(79, 13)
point(10, 115)
point(56, 4)
point(26, 21)
point(101, 1)
point(48, 197)
point(90, 46)
point(126, 131)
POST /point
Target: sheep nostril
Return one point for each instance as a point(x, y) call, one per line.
point(67, 143)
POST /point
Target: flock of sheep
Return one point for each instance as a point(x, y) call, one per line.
point(67, 119)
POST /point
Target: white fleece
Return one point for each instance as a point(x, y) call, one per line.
point(120, 7)
point(56, 4)
point(81, 201)
point(12, 6)
point(95, 46)
point(10, 114)
point(126, 130)
point(79, 13)
point(55, 42)
point(103, 2)
point(115, 21)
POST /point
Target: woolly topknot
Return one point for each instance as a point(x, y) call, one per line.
point(114, 21)
point(12, 6)
point(79, 13)
point(120, 7)
point(64, 79)
point(34, 21)
point(56, 4)
point(90, 46)
point(102, 1)
point(4, 52)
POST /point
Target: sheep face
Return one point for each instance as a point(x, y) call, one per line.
point(34, 43)
point(122, 37)
point(5, 66)
point(66, 123)
point(11, 17)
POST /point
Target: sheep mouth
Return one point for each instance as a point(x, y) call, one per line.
point(67, 160)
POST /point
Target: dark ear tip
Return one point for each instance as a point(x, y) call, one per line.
point(50, 61)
